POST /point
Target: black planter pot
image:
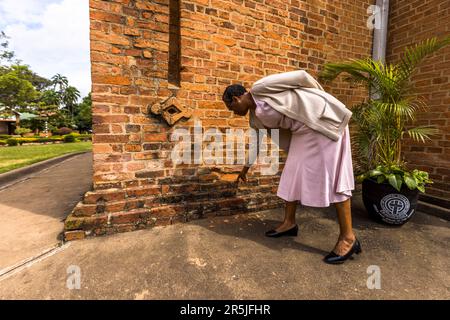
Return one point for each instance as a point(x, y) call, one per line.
point(385, 204)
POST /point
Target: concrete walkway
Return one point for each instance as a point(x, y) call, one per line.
point(229, 258)
point(32, 211)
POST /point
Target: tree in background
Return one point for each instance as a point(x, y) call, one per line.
point(70, 98)
point(5, 54)
point(16, 86)
point(50, 99)
point(16, 91)
point(54, 100)
point(83, 114)
point(60, 82)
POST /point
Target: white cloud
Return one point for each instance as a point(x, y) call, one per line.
point(27, 11)
point(52, 36)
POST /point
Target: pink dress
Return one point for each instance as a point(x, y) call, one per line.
point(318, 170)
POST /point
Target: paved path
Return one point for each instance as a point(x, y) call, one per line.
point(229, 258)
point(32, 211)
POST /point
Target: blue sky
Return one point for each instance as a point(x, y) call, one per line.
point(51, 36)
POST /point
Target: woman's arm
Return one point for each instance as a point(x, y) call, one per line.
point(250, 158)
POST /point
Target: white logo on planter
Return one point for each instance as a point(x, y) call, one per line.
point(395, 207)
point(374, 279)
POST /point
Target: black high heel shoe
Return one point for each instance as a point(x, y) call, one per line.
point(333, 258)
point(290, 232)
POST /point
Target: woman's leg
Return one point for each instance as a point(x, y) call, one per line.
point(346, 235)
point(289, 216)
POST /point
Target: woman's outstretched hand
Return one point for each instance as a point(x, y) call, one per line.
point(242, 175)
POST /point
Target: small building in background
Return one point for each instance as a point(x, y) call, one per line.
point(7, 125)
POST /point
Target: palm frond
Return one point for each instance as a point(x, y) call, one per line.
point(405, 108)
point(332, 70)
point(374, 74)
point(414, 55)
point(422, 133)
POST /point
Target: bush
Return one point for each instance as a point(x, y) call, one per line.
point(85, 137)
point(2, 142)
point(4, 136)
point(63, 131)
point(11, 142)
point(26, 140)
point(40, 140)
point(22, 131)
point(69, 138)
point(36, 140)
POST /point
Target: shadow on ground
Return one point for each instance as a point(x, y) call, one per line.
point(230, 258)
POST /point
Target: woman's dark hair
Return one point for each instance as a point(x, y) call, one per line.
point(231, 91)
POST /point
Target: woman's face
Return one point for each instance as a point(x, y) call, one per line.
point(240, 105)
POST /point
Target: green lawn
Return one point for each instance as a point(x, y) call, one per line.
point(21, 156)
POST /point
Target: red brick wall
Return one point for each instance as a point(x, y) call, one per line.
point(411, 22)
point(222, 42)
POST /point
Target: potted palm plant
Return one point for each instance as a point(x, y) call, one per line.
point(390, 187)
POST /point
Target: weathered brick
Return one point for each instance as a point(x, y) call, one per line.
point(84, 210)
point(115, 206)
point(133, 148)
point(74, 235)
point(143, 191)
point(105, 16)
point(102, 119)
point(132, 110)
point(155, 137)
point(133, 216)
point(104, 195)
point(118, 138)
point(132, 128)
point(150, 174)
point(163, 212)
point(84, 223)
point(111, 79)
